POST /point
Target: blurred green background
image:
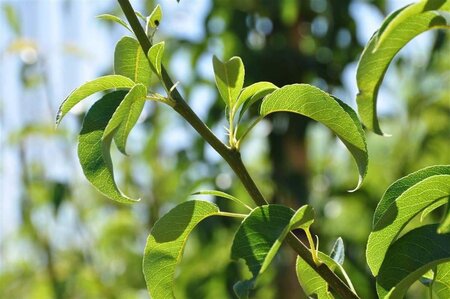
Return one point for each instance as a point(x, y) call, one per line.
point(59, 238)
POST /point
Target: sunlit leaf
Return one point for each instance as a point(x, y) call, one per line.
point(126, 116)
point(154, 19)
point(229, 78)
point(410, 257)
point(113, 18)
point(155, 55)
point(444, 226)
point(311, 282)
point(130, 61)
point(314, 103)
point(441, 281)
point(397, 30)
point(223, 195)
point(166, 242)
point(402, 201)
point(338, 251)
point(89, 88)
point(94, 155)
point(253, 93)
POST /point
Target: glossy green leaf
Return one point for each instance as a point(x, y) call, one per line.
point(89, 88)
point(229, 78)
point(253, 93)
point(166, 242)
point(397, 30)
point(338, 251)
point(314, 103)
point(155, 55)
point(223, 195)
point(130, 61)
point(126, 116)
point(94, 155)
point(113, 18)
point(410, 257)
point(154, 19)
point(402, 201)
point(255, 241)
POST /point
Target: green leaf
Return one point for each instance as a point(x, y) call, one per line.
point(154, 19)
point(113, 18)
point(314, 103)
point(441, 281)
point(155, 56)
point(229, 79)
point(166, 242)
point(402, 201)
point(410, 257)
point(223, 195)
point(397, 30)
point(126, 116)
point(253, 93)
point(432, 207)
point(444, 226)
point(89, 88)
point(338, 251)
point(94, 154)
point(12, 18)
point(255, 241)
point(130, 61)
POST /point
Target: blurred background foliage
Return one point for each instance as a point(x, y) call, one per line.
point(61, 239)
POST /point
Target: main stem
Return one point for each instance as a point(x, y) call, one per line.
point(231, 156)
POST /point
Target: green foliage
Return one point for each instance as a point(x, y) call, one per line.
point(166, 243)
point(94, 149)
point(155, 55)
point(116, 19)
point(400, 204)
point(312, 102)
point(229, 79)
point(154, 19)
point(410, 257)
point(396, 31)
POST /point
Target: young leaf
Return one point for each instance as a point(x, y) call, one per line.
point(130, 61)
point(223, 195)
point(94, 154)
point(338, 251)
point(255, 241)
point(403, 200)
point(155, 56)
point(89, 88)
point(409, 258)
point(154, 19)
point(312, 102)
point(253, 93)
point(165, 245)
point(229, 79)
point(113, 18)
point(398, 29)
point(444, 226)
point(126, 116)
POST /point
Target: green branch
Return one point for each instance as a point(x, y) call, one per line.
point(231, 156)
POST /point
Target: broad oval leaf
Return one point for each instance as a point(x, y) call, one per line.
point(89, 88)
point(166, 242)
point(402, 201)
point(229, 78)
point(410, 257)
point(396, 31)
point(116, 19)
point(314, 103)
point(126, 116)
point(94, 155)
point(251, 94)
point(155, 56)
point(255, 240)
point(131, 61)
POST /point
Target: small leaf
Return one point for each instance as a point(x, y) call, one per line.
point(12, 18)
point(253, 93)
point(410, 257)
point(432, 207)
point(402, 201)
point(113, 18)
point(338, 251)
point(223, 195)
point(255, 240)
point(154, 19)
point(155, 55)
point(139, 15)
point(166, 242)
point(397, 30)
point(314, 103)
point(89, 88)
point(94, 154)
point(441, 281)
point(229, 78)
point(303, 218)
point(444, 226)
point(126, 116)
point(130, 61)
